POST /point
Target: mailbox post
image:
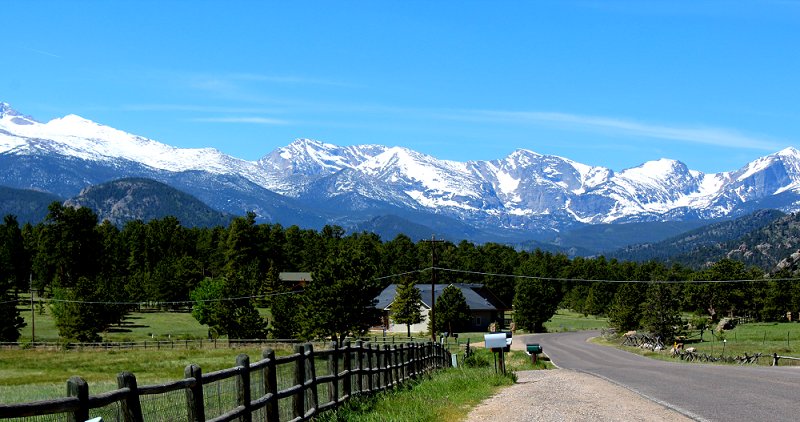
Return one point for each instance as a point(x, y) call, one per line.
point(499, 343)
point(533, 350)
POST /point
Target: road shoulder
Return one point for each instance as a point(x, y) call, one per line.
point(565, 395)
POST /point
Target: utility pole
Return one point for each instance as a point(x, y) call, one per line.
point(433, 242)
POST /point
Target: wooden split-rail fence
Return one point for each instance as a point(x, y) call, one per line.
point(276, 388)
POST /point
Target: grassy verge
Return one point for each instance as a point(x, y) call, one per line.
point(782, 338)
point(447, 395)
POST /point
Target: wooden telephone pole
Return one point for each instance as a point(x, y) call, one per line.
point(433, 242)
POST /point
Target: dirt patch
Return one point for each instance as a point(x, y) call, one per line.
point(564, 395)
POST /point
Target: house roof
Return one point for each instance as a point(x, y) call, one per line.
point(476, 295)
point(286, 276)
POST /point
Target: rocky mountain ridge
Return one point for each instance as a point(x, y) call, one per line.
point(525, 195)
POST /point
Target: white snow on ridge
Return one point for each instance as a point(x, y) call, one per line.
point(434, 175)
point(524, 184)
point(82, 138)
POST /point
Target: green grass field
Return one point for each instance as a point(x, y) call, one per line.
point(137, 326)
point(782, 338)
point(766, 338)
point(567, 320)
point(27, 375)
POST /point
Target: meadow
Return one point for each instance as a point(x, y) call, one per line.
point(782, 338)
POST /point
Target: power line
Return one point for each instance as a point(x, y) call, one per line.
point(561, 279)
point(157, 303)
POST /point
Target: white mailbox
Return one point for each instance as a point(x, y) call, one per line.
point(495, 340)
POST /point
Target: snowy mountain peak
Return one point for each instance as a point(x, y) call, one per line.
point(524, 191)
point(656, 169)
point(5, 109)
point(9, 114)
point(789, 152)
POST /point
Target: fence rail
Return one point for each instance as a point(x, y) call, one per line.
point(295, 387)
point(188, 343)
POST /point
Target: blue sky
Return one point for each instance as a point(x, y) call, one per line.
point(714, 84)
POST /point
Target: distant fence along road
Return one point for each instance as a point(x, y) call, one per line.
point(294, 387)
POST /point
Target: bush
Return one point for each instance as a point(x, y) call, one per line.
point(476, 360)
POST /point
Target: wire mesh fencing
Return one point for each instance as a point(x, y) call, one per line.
point(299, 385)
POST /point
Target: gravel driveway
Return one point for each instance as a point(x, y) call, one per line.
point(565, 395)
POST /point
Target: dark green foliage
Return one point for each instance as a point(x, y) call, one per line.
point(69, 247)
point(130, 199)
point(535, 302)
point(340, 301)
point(626, 308)
point(713, 242)
point(13, 269)
point(28, 206)
point(83, 311)
point(10, 320)
point(217, 306)
point(406, 305)
point(452, 312)
point(71, 256)
point(15, 265)
point(661, 311)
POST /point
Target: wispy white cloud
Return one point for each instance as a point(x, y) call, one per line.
point(200, 108)
point(245, 119)
point(699, 134)
point(286, 79)
point(42, 52)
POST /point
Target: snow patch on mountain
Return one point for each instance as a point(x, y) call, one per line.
point(525, 190)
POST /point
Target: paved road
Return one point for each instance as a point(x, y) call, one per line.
point(700, 391)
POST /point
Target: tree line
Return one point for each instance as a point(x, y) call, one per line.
point(92, 274)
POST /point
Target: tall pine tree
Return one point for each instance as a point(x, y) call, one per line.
point(406, 305)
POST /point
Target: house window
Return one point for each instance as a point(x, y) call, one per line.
point(478, 321)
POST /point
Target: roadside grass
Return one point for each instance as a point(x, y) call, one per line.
point(766, 338)
point(447, 395)
point(29, 375)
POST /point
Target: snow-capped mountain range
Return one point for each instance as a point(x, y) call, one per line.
point(312, 183)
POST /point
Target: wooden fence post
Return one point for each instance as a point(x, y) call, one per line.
point(299, 398)
point(131, 406)
point(395, 365)
point(311, 370)
point(347, 368)
point(194, 394)
point(77, 387)
point(333, 368)
point(368, 350)
point(401, 363)
point(412, 360)
point(387, 366)
point(243, 387)
point(271, 385)
point(360, 362)
point(380, 373)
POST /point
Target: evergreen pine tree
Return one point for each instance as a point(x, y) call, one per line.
point(661, 312)
point(406, 305)
point(452, 311)
point(626, 312)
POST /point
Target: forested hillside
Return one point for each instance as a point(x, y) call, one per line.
point(124, 200)
point(695, 248)
point(91, 274)
point(29, 206)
